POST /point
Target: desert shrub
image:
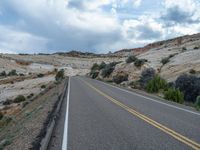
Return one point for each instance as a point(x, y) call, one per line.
point(184, 49)
point(165, 60)
point(135, 85)
point(60, 75)
point(192, 71)
point(3, 73)
point(156, 84)
point(197, 103)
point(43, 86)
point(190, 86)
point(1, 115)
point(102, 65)
point(94, 74)
point(95, 67)
point(146, 75)
point(40, 75)
point(21, 74)
point(25, 103)
point(139, 62)
point(120, 78)
point(108, 69)
point(171, 84)
point(5, 121)
point(30, 95)
point(19, 98)
point(113, 64)
point(12, 73)
point(131, 59)
point(174, 94)
point(55, 70)
point(7, 102)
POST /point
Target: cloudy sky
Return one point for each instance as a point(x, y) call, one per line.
point(92, 25)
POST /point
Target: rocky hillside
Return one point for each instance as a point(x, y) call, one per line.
point(169, 58)
point(159, 45)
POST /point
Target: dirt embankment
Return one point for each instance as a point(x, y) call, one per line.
point(25, 126)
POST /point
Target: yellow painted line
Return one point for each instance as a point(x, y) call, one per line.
point(163, 128)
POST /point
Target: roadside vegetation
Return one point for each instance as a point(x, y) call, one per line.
point(137, 62)
point(60, 75)
point(119, 78)
point(197, 103)
point(131, 59)
point(102, 69)
point(156, 84)
point(167, 59)
point(19, 98)
point(185, 89)
point(174, 94)
point(10, 73)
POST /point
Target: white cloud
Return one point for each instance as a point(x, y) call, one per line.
point(13, 40)
point(90, 24)
point(137, 3)
point(136, 29)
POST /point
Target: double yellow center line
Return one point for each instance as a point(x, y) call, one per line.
point(163, 128)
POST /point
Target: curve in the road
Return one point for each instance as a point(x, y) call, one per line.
point(163, 128)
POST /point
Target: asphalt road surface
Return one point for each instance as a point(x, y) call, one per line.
point(99, 116)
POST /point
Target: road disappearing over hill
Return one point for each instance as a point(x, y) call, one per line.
point(102, 117)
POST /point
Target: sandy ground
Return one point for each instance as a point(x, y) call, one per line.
point(26, 87)
point(26, 125)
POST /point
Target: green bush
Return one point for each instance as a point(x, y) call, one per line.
point(131, 59)
point(43, 86)
point(156, 84)
point(165, 60)
point(184, 49)
point(3, 73)
point(5, 121)
point(146, 75)
point(95, 67)
point(108, 69)
point(12, 73)
point(55, 70)
point(40, 75)
point(60, 75)
point(94, 74)
point(1, 115)
point(139, 62)
point(19, 98)
point(197, 103)
point(102, 65)
point(175, 95)
point(192, 71)
point(189, 85)
point(21, 74)
point(120, 78)
point(7, 102)
point(30, 95)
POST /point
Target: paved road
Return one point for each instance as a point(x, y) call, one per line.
point(102, 117)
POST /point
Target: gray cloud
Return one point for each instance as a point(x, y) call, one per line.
point(55, 25)
point(148, 33)
point(176, 15)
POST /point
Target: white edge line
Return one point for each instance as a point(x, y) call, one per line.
point(133, 93)
point(65, 135)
